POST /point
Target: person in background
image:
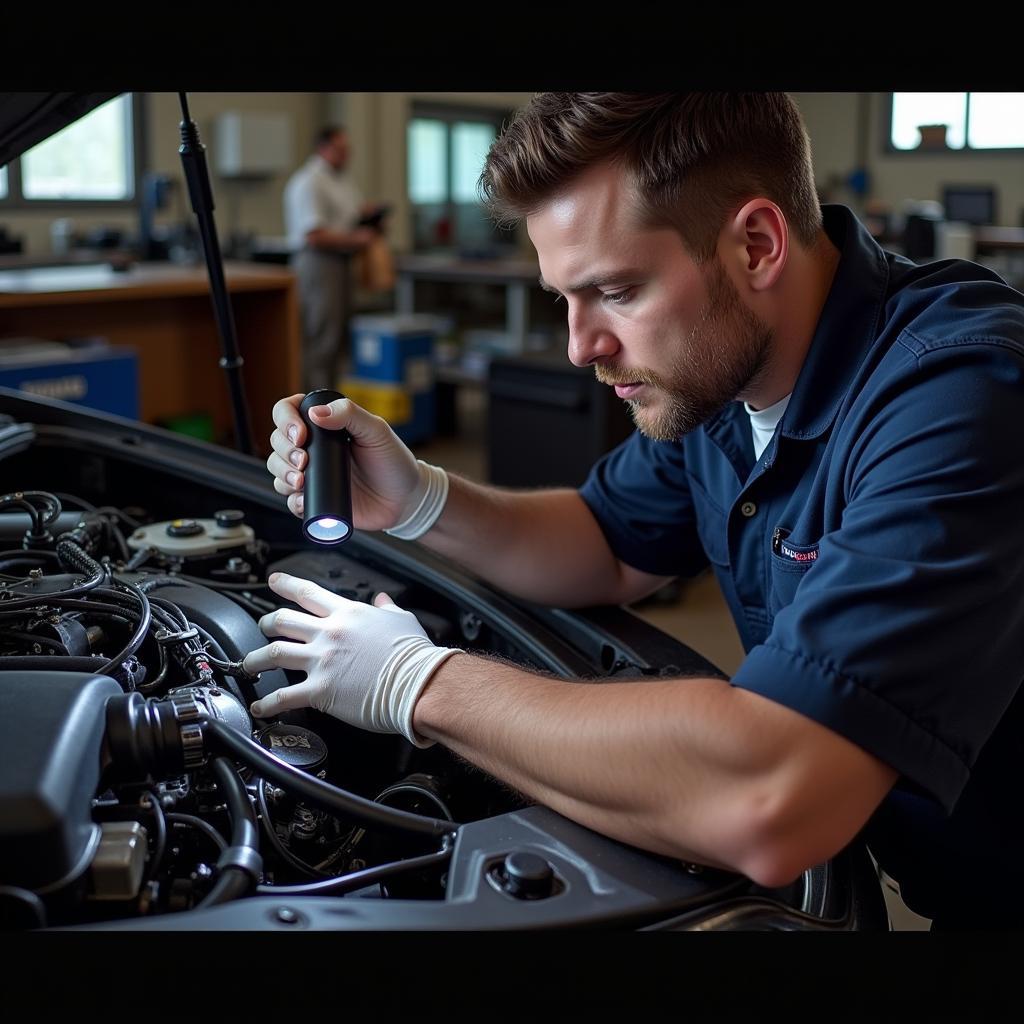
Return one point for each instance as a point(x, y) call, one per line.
point(327, 222)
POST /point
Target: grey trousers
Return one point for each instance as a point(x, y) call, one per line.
point(325, 301)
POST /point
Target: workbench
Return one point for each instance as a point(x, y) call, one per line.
point(165, 313)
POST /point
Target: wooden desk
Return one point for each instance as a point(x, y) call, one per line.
point(164, 311)
point(515, 275)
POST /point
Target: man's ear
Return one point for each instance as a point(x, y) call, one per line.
point(756, 241)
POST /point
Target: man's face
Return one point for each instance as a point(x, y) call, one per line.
point(335, 150)
point(674, 338)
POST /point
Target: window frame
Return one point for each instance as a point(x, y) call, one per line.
point(15, 198)
point(451, 114)
point(890, 150)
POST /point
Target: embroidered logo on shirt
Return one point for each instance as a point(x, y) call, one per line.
point(794, 552)
point(788, 551)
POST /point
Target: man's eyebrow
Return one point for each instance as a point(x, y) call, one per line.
point(602, 281)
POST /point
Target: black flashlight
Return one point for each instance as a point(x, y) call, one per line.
point(327, 494)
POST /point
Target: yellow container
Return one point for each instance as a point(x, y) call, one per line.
point(391, 403)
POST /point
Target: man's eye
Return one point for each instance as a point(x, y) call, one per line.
point(619, 298)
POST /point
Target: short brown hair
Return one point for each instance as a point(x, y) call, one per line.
point(692, 157)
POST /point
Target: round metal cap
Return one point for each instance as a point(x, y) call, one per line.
point(228, 517)
point(301, 748)
point(528, 875)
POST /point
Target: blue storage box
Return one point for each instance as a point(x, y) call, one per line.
point(99, 377)
point(393, 357)
point(394, 349)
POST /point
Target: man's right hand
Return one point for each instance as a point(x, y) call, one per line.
point(386, 480)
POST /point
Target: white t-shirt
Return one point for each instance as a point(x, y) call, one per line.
point(764, 421)
point(317, 196)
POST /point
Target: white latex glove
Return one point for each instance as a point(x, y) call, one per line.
point(365, 664)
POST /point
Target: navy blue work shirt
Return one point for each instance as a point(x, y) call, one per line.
point(873, 556)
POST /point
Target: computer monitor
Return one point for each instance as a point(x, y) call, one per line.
point(971, 204)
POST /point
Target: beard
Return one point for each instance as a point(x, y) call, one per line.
point(722, 356)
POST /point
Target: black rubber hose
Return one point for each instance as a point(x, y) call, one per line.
point(52, 503)
point(190, 820)
point(73, 604)
point(268, 830)
point(11, 500)
point(74, 556)
point(315, 791)
point(120, 513)
point(41, 518)
point(359, 879)
point(244, 830)
point(234, 882)
point(140, 630)
point(173, 611)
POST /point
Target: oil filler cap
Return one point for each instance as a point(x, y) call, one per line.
point(301, 748)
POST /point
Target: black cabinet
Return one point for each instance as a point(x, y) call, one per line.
point(549, 421)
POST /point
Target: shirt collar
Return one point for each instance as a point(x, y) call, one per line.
point(846, 329)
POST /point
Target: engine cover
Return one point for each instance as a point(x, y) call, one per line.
point(51, 731)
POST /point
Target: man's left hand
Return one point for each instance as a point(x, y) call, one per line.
point(365, 664)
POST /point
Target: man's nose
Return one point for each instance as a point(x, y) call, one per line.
point(590, 339)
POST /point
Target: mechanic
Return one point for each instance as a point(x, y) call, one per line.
point(829, 425)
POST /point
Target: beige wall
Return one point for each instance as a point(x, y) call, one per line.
point(258, 202)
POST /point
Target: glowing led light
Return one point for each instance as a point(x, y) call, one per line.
point(327, 529)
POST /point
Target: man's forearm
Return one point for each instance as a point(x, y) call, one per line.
point(542, 546)
point(693, 768)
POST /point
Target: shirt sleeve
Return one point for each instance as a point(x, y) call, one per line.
point(640, 497)
point(906, 633)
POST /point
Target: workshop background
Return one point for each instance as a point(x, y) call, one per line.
point(104, 299)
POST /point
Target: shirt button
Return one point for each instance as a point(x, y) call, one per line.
point(748, 508)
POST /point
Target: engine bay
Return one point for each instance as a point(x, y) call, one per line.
point(140, 793)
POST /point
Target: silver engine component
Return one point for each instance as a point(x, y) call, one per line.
point(116, 869)
point(189, 538)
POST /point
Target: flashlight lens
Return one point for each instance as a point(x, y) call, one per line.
point(327, 529)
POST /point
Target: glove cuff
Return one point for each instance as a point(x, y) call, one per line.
point(403, 680)
point(434, 481)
